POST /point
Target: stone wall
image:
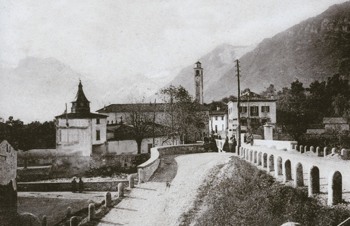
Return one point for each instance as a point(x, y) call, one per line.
point(67, 186)
point(276, 144)
point(63, 165)
point(146, 169)
point(8, 163)
point(130, 146)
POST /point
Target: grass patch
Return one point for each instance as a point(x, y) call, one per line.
point(54, 209)
point(246, 195)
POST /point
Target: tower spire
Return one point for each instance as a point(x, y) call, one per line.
point(198, 81)
point(81, 103)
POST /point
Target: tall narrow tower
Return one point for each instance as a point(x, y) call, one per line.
point(198, 81)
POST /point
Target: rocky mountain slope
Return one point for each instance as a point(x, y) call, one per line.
point(316, 48)
point(312, 50)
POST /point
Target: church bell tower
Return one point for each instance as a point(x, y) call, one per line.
point(198, 81)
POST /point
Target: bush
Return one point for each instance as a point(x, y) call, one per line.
point(251, 197)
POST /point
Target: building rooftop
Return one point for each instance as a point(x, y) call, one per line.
point(211, 113)
point(80, 115)
point(143, 107)
point(249, 96)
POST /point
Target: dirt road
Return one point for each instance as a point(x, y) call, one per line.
point(153, 204)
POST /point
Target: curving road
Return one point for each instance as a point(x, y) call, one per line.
point(152, 204)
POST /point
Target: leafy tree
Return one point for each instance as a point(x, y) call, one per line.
point(142, 124)
point(269, 92)
point(28, 136)
point(291, 113)
point(185, 116)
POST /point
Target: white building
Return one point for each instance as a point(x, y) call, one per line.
point(80, 131)
point(255, 111)
point(218, 122)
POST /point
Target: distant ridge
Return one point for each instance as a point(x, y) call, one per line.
point(314, 49)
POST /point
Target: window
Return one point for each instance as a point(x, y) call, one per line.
point(265, 109)
point(242, 109)
point(216, 118)
point(222, 117)
point(244, 122)
point(216, 128)
point(98, 135)
point(97, 121)
point(107, 122)
point(254, 111)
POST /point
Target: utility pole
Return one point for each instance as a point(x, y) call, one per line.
point(238, 107)
point(154, 121)
point(172, 116)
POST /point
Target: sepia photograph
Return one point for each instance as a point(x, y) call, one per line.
point(175, 113)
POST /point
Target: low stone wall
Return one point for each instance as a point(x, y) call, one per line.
point(146, 169)
point(276, 144)
point(67, 186)
point(63, 166)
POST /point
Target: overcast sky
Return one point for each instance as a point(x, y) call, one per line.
point(111, 37)
point(104, 38)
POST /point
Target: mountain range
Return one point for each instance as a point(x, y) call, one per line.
point(42, 86)
point(314, 49)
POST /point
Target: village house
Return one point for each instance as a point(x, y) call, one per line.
point(218, 122)
point(80, 131)
point(255, 111)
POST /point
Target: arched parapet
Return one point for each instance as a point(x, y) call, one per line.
point(325, 149)
point(342, 152)
point(264, 160)
point(278, 166)
point(301, 148)
point(250, 155)
point(255, 160)
point(335, 185)
point(333, 151)
point(259, 159)
point(318, 149)
point(270, 165)
point(294, 146)
point(312, 149)
point(305, 149)
point(314, 181)
point(299, 175)
point(287, 171)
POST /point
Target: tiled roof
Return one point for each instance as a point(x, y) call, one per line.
point(144, 107)
point(158, 107)
point(217, 113)
point(81, 115)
